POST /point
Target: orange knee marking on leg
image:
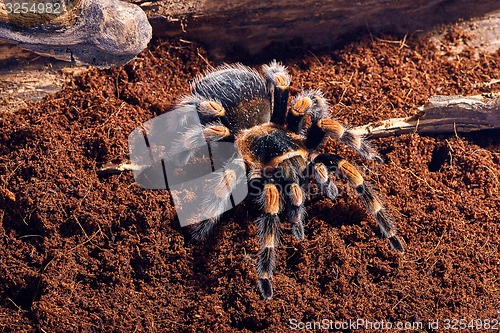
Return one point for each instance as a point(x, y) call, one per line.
point(282, 81)
point(272, 203)
point(216, 132)
point(321, 173)
point(374, 205)
point(212, 108)
point(269, 240)
point(225, 183)
point(357, 141)
point(300, 107)
point(352, 174)
point(331, 127)
point(297, 197)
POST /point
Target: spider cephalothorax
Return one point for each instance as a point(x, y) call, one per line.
point(237, 104)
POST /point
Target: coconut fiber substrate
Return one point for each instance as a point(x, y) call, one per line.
point(80, 252)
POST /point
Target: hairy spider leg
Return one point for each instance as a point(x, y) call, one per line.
point(301, 104)
point(269, 233)
point(203, 229)
point(215, 132)
point(344, 169)
point(313, 102)
point(214, 204)
point(295, 208)
point(208, 109)
point(321, 175)
point(278, 84)
point(197, 136)
point(289, 174)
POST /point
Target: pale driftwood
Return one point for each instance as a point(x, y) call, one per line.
point(39, 76)
point(96, 32)
point(442, 114)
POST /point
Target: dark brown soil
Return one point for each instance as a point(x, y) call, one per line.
point(82, 253)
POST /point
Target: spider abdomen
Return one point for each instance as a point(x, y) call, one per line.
point(229, 86)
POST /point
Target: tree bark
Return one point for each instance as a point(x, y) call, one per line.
point(252, 25)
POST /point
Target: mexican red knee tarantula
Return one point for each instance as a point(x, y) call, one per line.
point(237, 104)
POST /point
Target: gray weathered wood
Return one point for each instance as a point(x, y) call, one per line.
point(96, 32)
point(442, 114)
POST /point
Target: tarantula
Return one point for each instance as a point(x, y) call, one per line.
point(238, 104)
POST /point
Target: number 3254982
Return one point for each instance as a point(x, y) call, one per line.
point(33, 8)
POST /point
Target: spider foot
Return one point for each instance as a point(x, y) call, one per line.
point(202, 230)
point(397, 244)
point(266, 288)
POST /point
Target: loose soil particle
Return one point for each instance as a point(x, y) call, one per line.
point(82, 253)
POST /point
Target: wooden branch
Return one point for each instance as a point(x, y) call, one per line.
point(96, 32)
point(442, 114)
